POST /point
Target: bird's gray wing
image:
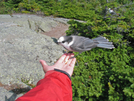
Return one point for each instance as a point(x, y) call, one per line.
point(83, 44)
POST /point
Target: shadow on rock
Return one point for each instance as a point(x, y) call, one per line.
point(17, 91)
point(55, 40)
point(21, 90)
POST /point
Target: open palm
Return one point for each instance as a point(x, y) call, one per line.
point(64, 63)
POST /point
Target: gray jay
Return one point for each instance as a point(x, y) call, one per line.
point(111, 11)
point(80, 44)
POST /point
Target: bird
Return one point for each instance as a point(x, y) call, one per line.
point(111, 11)
point(75, 43)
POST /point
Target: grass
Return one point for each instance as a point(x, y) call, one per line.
point(3, 9)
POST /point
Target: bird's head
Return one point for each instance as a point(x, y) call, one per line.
point(62, 40)
point(65, 40)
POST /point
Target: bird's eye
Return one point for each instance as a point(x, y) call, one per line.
point(63, 41)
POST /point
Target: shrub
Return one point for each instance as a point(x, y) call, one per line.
point(102, 74)
point(3, 9)
point(29, 5)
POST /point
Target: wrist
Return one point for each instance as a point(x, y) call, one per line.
point(63, 72)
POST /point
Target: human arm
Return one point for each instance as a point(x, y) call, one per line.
point(56, 85)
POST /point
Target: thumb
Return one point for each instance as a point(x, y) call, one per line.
point(44, 65)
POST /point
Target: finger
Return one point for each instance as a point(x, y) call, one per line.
point(69, 61)
point(66, 58)
point(44, 65)
point(72, 64)
point(62, 58)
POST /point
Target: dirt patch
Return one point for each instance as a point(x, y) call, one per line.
point(58, 31)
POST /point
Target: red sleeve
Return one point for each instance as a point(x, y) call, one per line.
point(55, 86)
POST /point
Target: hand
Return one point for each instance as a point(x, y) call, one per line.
point(64, 63)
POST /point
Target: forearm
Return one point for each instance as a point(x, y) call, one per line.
point(56, 86)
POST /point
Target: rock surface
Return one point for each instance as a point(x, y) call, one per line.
point(22, 46)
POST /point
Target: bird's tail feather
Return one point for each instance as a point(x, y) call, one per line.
point(103, 43)
point(107, 43)
point(102, 39)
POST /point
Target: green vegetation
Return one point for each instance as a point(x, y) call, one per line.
point(28, 82)
point(101, 74)
point(2, 8)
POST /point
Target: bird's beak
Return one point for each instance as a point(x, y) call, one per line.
point(58, 42)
